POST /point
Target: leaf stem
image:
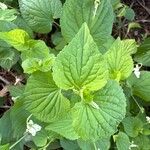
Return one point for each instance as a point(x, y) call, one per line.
point(12, 146)
point(95, 146)
point(141, 109)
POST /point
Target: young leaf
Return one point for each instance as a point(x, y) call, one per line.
point(140, 86)
point(122, 141)
point(92, 123)
point(80, 65)
point(17, 38)
point(37, 57)
point(34, 64)
point(132, 126)
point(120, 64)
point(43, 98)
point(97, 14)
point(39, 14)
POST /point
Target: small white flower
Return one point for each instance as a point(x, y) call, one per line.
point(136, 70)
point(32, 128)
point(94, 105)
point(148, 119)
point(132, 145)
point(3, 6)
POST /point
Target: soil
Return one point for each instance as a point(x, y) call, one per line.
point(142, 16)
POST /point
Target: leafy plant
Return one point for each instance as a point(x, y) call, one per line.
point(81, 91)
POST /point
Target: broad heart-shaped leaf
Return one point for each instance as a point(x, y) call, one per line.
point(43, 98)
point(141, 86)
point(80, 65)
point(8, 57)
point(76, 12)
point(17, 38)
point(93, 123)
point(120, 64)
point(122, 141)
point(143, 53)
point(64, 128)
point(39, 14)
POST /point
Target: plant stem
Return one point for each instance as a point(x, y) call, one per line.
point(95, 146)
point(12, 146)
point(141, 109)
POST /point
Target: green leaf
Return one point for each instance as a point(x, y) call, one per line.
point(132, 126)
point(20, 22)
point(6, 26)
point(143, 53)
point(133, 25)
point(43, 98)
point(76, 12)
point(18, 116)
point(4, 147)
point(35, 64)
point(37, 57)
point(69, 145)
point(143, 142)
point(80, 65)
point(8, 57)
point(122, 141)
point(120, 64)
point(40, 14)
point(6, 131)
point(16, 91)
point(64, 128)
point(94, 123)
point(40, 139)
point(140, 86)
point(129, 14)
point(8, 15)
point(102, 144)
point(17, 38)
